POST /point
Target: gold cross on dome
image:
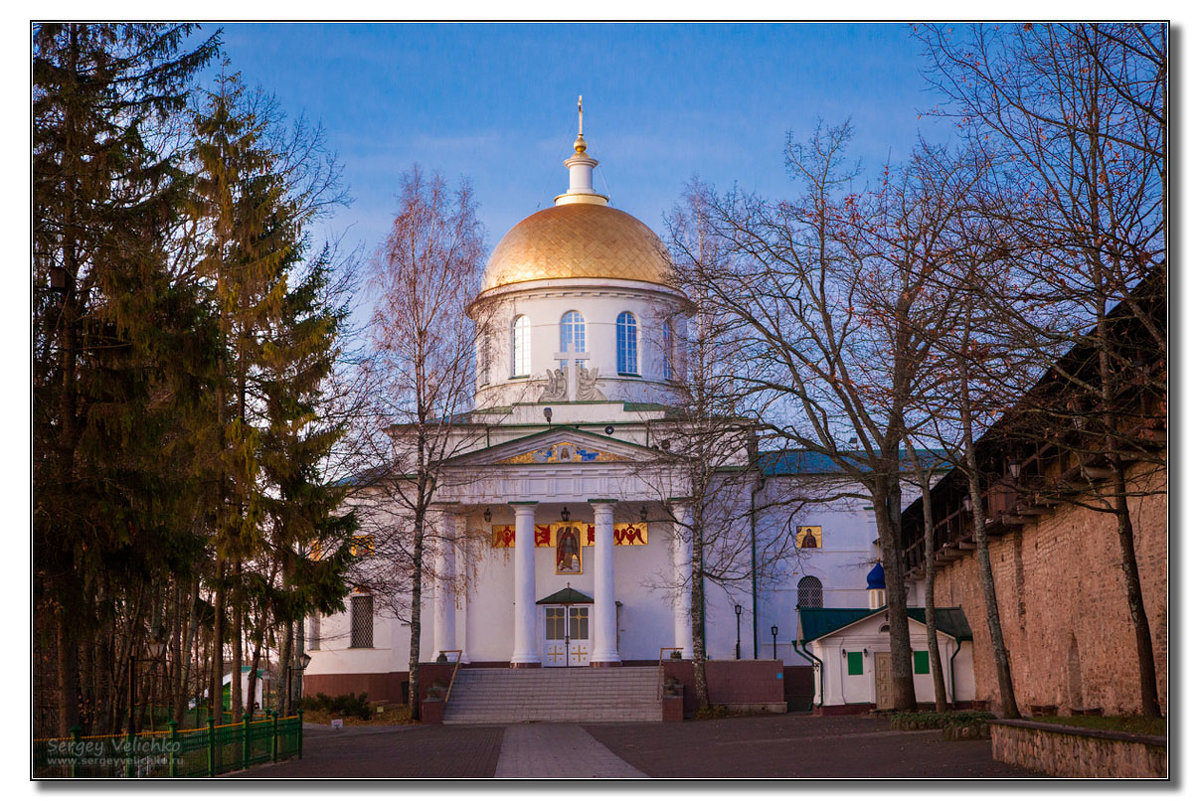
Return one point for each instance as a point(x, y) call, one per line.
point(580, 115)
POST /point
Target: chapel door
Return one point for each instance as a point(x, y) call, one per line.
point(882, 680)
point(567, 636)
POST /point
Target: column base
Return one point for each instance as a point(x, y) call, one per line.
point(595, 664)
point(518, 665)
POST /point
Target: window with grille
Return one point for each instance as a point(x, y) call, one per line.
point(811, 593)
point(362, 621)
point(626, 343)
point(314, 633)
point(521, 346)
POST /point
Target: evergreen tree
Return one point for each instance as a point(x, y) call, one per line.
point(119, 341)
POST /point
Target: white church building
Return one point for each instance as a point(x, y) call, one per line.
point(564, 532)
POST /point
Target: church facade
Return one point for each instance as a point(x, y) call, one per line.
point(564, 529)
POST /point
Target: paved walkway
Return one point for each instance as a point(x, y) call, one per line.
point(558, 751)
point(792, 746)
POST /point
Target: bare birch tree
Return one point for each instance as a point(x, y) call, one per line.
point(422, 372)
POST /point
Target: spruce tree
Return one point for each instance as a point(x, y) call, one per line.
point(119, 342)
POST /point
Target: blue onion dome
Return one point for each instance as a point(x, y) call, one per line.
point(875, 579)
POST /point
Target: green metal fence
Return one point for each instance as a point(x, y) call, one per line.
point(206, 751)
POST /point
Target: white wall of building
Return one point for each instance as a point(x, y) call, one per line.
point(835, 687)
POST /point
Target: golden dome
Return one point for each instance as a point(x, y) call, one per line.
point(578, 240)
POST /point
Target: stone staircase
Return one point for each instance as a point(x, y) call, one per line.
point(574, 695)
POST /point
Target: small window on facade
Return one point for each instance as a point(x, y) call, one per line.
point(573, 331)
point(853, 663)
point(626, 343)
point(521, 346)
point(810, 592)
point(314, 633)
point(362, 621)
point(920, 661)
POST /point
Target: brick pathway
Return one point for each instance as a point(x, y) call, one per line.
point(793, 746)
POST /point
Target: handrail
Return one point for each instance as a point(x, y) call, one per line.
point(454, 675)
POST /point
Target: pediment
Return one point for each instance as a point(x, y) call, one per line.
point(558, 446)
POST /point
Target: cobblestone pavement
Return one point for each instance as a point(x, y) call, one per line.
point(793, 746)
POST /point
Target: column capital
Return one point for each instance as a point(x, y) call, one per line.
point(521, 503)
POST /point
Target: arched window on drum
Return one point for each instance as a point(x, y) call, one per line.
point(573, 331)
point(626, 344)
point(521, 346)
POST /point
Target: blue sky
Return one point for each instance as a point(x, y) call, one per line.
point(662, 102)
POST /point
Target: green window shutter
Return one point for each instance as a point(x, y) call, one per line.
point(920, 661)
point(855, 663)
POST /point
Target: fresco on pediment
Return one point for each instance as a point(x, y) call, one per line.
point(562, 453)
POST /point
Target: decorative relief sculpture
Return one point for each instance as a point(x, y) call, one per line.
point(555, 387)
point(588, 391)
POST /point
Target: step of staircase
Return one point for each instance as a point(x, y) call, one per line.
point(559, 695)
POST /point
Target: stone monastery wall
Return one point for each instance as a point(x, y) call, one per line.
point(1063, 606)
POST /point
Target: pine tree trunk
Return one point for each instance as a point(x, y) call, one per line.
point(217, 675)
point(68, 675)
point(236, 702)
point(287, 700)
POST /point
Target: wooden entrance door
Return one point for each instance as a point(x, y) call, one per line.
point(882, 681)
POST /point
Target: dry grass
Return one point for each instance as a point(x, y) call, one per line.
point(392, 715)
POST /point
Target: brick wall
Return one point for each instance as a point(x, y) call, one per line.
point(1064, 609)
point(380, 688)
point(749, 684)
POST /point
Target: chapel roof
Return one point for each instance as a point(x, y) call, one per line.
point(815, 623)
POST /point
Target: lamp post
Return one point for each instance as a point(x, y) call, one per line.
point(737, 611)
point(154, 648)
point(774, 640)
point(298, 665)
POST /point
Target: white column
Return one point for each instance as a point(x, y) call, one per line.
point(444, 569)
point(461, 621)
point(524, 637)
point(682, 578)
point(603, 644)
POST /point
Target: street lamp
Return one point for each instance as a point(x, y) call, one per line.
point(298, 665)
point(737, 611)
point(774, 638)
point(154, 648)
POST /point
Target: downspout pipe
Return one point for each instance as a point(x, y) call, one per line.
point(953, 679)
point(753, 558)
point(811, 657)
